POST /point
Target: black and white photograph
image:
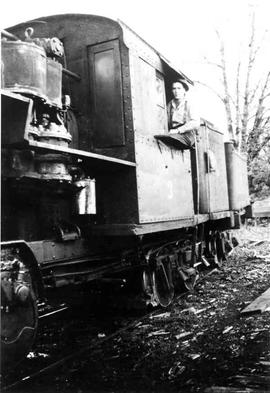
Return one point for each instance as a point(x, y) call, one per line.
point(135, 196)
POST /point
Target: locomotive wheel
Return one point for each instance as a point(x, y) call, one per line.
point(162, 284)
point(189, 284)
point(211, 247)
point(18, 331)
point(147, 286)
point(220, 247)
point(228, 242)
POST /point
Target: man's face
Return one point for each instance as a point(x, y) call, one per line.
point(178, 90)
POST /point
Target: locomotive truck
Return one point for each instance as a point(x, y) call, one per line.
point(89, 189)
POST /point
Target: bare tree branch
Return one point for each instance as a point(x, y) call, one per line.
point(212, 63)
point(260, 108)
point(237, 106)
point(210, 88)
point(226, 88)
point(251, 58)
point(254, 92)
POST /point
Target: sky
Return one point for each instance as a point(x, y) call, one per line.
point(182, 30)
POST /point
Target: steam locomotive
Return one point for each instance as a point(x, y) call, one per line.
point(88, 189)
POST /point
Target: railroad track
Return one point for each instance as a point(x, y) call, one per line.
point(93, 348)
point(9, 384)
point(27, 376)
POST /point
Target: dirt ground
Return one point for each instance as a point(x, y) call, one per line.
point(201, 341)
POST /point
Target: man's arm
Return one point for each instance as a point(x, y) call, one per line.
point(188, 126)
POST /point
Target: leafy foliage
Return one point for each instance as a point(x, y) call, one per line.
point(259, 176)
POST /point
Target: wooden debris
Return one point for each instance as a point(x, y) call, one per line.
point(158, 333)
point(144, 326)
point(183, 335)
point(258, 243)
point(163, 315)
point(201, 310)
point(253, 379)
point(264, 363)
point(205, 262)
point(260, 304)
point(253, 335)
point(224, 389)
point(32, 355)
point(195, 356)
point(227, 329)
point(185, 344)
point(259, 330)
point(213, 272)
point(177, 369)
point(189, 310)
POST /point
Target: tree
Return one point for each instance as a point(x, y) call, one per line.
point(245, 96)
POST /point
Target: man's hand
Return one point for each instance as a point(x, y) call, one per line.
point(175, 131)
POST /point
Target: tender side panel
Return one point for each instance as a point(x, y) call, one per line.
point(148, 97)
point(216, 168)
point(203, 176)
point(164, 184)
point(163, 181)
point(237, 178)
point(212, 188)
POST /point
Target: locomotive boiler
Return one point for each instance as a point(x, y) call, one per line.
point(88, 189)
